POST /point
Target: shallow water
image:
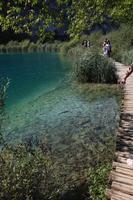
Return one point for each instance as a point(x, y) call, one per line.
point(49, 105)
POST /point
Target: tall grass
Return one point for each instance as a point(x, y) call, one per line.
point(95, 68)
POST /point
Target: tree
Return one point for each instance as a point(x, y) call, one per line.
point(42, 17)
point(36, 17)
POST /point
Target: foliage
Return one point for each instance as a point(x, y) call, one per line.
point(27, 174)
point(92, 92)
point(42, 18)
point(39, 173)
point(126, 56)
point(27, 46)
point(121, 40)
point(32, 16)
point(98, 177)
point(95, 68)
point(68, 45)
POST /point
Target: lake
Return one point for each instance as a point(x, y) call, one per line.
point(45, 104)
point(31, 74)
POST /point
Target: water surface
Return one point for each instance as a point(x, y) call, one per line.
point(31, 74)
point(45, 103)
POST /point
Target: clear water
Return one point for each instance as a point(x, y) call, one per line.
point(44, 103)
point(41, 93)
point(31, 73)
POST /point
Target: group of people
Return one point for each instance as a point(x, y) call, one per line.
point(107, 47)
point(86, 43)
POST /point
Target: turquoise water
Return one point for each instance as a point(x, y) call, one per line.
point(43, 102)
point(31, 73)
point(47, 108)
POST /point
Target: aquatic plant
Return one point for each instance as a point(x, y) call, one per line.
point(98, 179)
point(95, 68)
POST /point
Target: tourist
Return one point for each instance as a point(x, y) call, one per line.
point(88, 43)
point(84, 43)
point(105, 42)
point(107, 48)
point(128, 73)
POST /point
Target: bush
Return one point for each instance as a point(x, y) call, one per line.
point(27, 175)
point(95, 68)
point(126, 57)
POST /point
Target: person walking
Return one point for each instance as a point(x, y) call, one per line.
point(107, 48)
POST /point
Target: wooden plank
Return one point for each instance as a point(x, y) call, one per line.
point(121, 159)
point(122, 165)
point(120, 129)
point(124, 148)
point(126, 137)
point(127, 189)
point(124, 141)
point(121, 178)
point(114, 193)
point(128, 172)
point(118, 197)
point(124, 154)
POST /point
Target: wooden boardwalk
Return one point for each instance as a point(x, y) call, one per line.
point(121, 176)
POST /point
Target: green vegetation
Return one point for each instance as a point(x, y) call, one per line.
point(94, 68)
point(27, 46)
point(39, 173)
point(37, 16)
point(92, 92)
point(121, 40)
point(98, 181)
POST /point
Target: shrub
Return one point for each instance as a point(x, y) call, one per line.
point(95, 68)
point(27, 175)
point(126, 56)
